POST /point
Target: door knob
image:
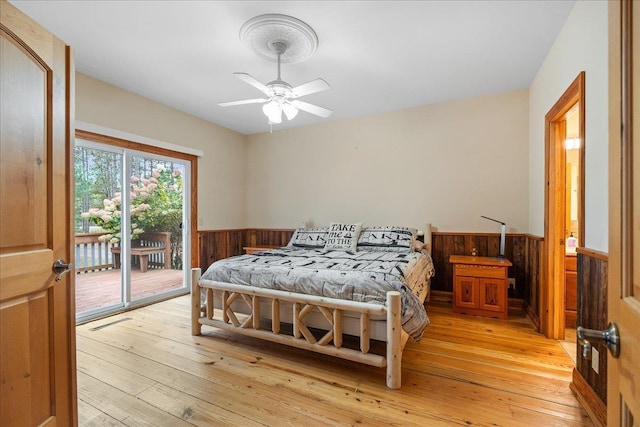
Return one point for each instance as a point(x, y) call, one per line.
point(610, 337)
point(61, 267)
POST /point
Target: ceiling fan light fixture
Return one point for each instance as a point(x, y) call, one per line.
point(273, 111)
point(290, 111)
point(281, 38)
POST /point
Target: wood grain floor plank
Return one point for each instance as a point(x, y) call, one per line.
point(466, 371)
point(189, 383)
point(196, 411)
point(132, 383)
point(90, 416)
point(248, 370)
point(123, 407)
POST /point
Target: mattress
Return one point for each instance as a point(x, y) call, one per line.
point(364, 276)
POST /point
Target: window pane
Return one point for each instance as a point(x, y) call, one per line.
point(156, 214)
point(98, 186)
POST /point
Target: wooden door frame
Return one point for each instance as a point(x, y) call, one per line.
point(552, 286)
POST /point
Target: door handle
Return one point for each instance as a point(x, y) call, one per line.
point(61, 267)
point(610, 337)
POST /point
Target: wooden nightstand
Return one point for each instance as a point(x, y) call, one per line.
point(253, 249)
point(480, 285)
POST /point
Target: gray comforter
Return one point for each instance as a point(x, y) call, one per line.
point(365, 276)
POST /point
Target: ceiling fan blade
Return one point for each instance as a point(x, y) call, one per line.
point(313, 109)
point(253, 82)
point(314, 86)
point(245, 101)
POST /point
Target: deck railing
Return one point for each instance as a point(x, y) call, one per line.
point(94, 255)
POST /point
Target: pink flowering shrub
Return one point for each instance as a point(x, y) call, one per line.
point(156, 205)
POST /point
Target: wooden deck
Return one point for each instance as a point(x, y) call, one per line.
point(102, 289)
point(144, 368)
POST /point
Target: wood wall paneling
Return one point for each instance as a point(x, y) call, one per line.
point(532, 282)
point(235, 242)
point(220, 244)
point(522, 250)
point(592, 314)
point(487, 244)
point(268, 237)
point(213, 246)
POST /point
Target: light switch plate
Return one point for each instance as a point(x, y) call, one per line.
point(595, 360)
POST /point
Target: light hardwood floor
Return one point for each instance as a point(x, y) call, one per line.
point(147, 370)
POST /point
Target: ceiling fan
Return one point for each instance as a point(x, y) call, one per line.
point(282, 97)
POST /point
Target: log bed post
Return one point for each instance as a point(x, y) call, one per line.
point(196, 306)
point(394, 336)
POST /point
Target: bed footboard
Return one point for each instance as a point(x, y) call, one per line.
point(251, 323)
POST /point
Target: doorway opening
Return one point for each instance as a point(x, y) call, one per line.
point(564, 210)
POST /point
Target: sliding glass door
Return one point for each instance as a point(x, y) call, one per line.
point(98, 181)
point(156, 219)
point(131, 246)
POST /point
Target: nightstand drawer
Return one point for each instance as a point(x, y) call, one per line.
point(480, 271)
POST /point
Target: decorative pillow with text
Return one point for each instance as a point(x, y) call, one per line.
point(309, 238)
point(343, 236)
point(387, 239)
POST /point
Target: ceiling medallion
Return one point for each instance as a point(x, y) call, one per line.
point(264, 33)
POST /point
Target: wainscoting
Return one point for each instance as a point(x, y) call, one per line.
point(219, 244)
point(533, 272)
point(591, 388)
point(446, 244)
point(521, 249)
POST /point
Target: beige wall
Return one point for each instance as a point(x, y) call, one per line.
point(221, 171)
point(580, 46)
point(446, 164)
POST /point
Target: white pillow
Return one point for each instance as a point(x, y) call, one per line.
point(343, 236)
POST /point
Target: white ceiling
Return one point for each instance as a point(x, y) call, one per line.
point(377, 55)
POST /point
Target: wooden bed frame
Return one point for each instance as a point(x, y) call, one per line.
point(245, 310)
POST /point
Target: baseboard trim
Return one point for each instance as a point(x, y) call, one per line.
point(441, 297)
point(532, 315)
point(594, 407)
